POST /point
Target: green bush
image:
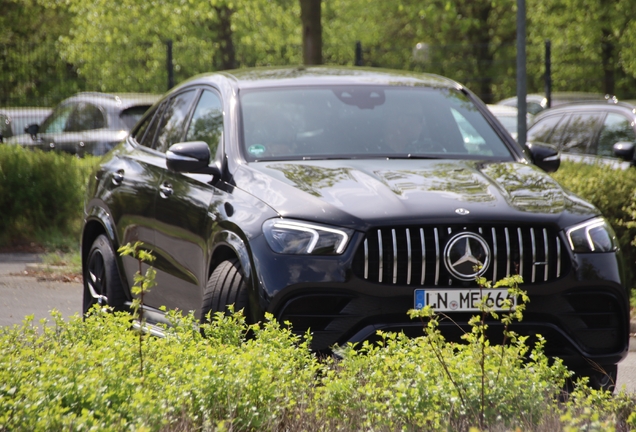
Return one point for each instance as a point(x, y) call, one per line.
point(84, 375)
point(612, 192)
point(41, 195)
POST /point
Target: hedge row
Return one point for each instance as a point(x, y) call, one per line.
point(41, 194)
point(99, 375)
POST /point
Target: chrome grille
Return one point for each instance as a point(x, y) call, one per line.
point(413, 255)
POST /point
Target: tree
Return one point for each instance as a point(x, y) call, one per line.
point(113, 54)
point(592, 50)
point(31, 70)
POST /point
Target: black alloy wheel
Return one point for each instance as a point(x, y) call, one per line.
point(225, 286)
point(102, 284)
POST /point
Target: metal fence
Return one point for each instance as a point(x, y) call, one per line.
point(45, 74)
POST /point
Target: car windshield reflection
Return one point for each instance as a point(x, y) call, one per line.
point(309, 123)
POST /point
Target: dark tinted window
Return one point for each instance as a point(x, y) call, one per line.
point(368, 121)
point(579, 132)
point(85, 117)
point(131, 116)
point(146, 133)
point(616, 128)
point(207, 121)
point(541, 131)
point(173, 120)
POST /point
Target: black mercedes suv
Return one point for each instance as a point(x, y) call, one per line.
point(338, 199)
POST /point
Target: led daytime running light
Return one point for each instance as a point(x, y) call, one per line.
point(313, 230)
point(588, 226)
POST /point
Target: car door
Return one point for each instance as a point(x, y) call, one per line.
point(82, 129)
point(580, 132)
point(543, 130)
point(135, 171)
point(176, 216)
point(53, 127)
point(617, 127)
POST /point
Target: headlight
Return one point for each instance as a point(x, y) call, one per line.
point(595, 235)
point(293, 237)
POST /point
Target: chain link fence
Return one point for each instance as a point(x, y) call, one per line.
point(45, 74)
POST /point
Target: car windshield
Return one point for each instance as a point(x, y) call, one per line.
point(365, 121)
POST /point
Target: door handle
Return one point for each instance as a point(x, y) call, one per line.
point(165, 190)
point(118, 177)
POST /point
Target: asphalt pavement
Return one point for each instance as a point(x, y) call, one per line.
point(22, 295)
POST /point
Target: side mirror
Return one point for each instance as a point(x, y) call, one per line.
point(191, 157)
point(545, 156)
point(32, 129)
point(624, 150)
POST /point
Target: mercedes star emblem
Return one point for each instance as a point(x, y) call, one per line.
point(467, 255)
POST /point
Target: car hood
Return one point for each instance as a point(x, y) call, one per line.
point(373, 191)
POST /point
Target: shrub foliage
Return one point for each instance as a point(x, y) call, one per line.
point(41, 194)
point(227, 375)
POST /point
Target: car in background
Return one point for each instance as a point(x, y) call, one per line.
point(87, 123)
point(508, 117)
point(536, 102)
point(337, 199)
point(13, 121)
point(589, 132)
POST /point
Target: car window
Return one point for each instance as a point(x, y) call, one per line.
point(534, 107)
point(580, 131)
point(145, 134)
point(56, 122)
point(173, 119)
point(542, 130)
point(207, 121)
point(364, 121)
point(131, 116)
point(616, 128)
point(86, 116)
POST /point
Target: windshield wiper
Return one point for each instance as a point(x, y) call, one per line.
point(412, 156)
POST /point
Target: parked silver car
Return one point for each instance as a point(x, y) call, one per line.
point(87, 123)
point(14, 120)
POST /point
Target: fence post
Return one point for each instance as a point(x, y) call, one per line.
point(358, 61)
point(522, 88)
point(548, 72)
point(169, 65)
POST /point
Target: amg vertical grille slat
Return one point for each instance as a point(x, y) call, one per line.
point(380, 256)
point(520, 237)
point(534, 255)
point(395, 256)
point(423, 255)
point(507, 252)
point(414, 255)
point(495, 276)
point(409, 256)
point(437, 258)
point(546, 254)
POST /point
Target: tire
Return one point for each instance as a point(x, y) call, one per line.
point(225, 286)
point(102, 284)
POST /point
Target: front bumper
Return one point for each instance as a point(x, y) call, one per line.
point(583, 315)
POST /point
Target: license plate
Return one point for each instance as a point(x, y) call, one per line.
point(461, 300)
